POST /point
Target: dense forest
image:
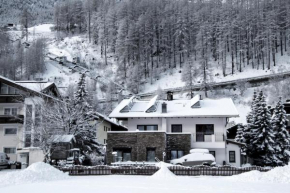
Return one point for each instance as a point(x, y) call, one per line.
point(147, 37)
point(41, 10)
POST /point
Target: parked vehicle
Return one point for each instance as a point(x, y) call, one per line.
point(4, 160)
point(194, 159)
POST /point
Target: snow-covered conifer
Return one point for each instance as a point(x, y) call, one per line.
point(248, 134)
point(282, 137)
point(240, 134)
point(84, 119)
point(263, 151)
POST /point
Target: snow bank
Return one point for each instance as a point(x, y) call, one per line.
point(276, 175)
point(37, 172)
point(163, 172)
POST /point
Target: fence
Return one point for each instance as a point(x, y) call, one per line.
point(150, 170)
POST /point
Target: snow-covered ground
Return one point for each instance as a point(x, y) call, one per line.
point(45, 179)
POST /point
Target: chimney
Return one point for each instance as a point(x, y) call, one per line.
point(169, 95)
point(164, 107)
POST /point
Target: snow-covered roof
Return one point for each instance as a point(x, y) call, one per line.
point(22, 87)
point(178, 108)
point(62, 138)
point(115, 122)
point(36, 86)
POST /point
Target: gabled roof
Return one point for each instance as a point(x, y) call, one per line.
point(106, 118)
point(24, 86)
point(34, 85)
point(178, 108)
point(63, 138)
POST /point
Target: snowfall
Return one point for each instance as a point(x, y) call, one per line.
point(41, 177)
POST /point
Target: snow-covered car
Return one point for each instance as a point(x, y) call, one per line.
point(194, 159)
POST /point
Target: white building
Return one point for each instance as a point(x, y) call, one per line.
point(16, 107)
point(205, 120)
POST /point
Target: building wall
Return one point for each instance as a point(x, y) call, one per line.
point(237, 149)
point(220, 155)
point(133, 122)
point(35, 155)
point(11, 140)
point(102, 128)
point(138, 142)
point(178, 142)
point(19, 106)
point(188, 126)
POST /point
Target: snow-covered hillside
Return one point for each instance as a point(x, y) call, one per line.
point(90, 57)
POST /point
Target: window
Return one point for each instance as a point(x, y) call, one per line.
point(150, 155)
point(204, 132)
point(123, 154)
point(232, 156)
point(212, 153)
point(27, 140)
point(176, 154)
point(37, 115)
point(4, 88)
point(147, 127)
point(104, 128)
point(176, 128)
point(10, 111)
point(10, 131)
point(29, 111)
point(105, 141)
point(9, 150)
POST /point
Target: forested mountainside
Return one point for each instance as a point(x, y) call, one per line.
point(198, 40)
point(147, 37)
point(41, 10)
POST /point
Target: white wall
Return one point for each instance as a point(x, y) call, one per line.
point(101, 133)
point(188, 126)
point(133, 122)
point(220, 155)
point(35, 155)
point(11, 140)
point(237, 149)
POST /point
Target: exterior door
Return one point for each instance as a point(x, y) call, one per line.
point(151, 154)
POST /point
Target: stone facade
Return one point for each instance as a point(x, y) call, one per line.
point(178, 142)
point(139, 142)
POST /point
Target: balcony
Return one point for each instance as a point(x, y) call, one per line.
point(11, 98)
point(4, 119)
point(216, 137)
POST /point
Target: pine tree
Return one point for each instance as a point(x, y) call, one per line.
point(282, 137)
point(240, 134)
point(84, 120)
point(248, 134)
point(263, 151)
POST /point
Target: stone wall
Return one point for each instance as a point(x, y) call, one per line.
point(121, 140)
point(178, 142)
point(138, 142)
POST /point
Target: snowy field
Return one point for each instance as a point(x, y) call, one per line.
point(45, 179)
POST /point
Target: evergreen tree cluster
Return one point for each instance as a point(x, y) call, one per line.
point(266, 138)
